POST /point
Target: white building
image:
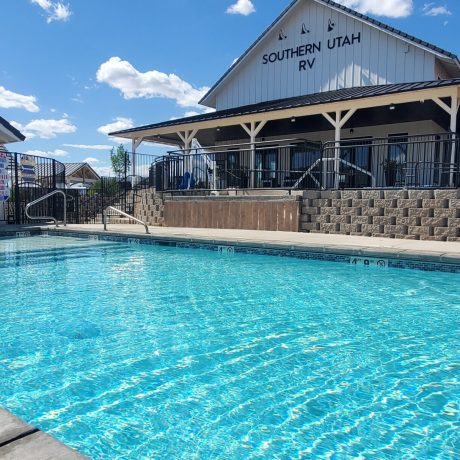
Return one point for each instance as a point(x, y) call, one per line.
point(325, 98)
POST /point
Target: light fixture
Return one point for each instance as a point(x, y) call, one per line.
point(293, 120)
point(218, 128)
point(392, 107)
point(352, 131)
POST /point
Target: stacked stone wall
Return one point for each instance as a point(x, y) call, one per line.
point(149, 207)
point(409, 214)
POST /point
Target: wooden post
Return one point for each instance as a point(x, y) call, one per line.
point(253, 130)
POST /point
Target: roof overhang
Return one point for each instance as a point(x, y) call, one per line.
point(166, 133)
point(9, 133)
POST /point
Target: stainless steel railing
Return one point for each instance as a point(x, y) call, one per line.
point(42, 198)
point(104, 217)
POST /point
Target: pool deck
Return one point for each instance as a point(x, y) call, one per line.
point(434, 251)
point(20, 441)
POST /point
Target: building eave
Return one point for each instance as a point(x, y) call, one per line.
point(360, 97)
point(9, 133)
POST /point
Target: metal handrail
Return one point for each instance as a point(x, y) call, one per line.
point(44, 197)
point(104, 218)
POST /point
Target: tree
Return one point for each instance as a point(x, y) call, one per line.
point(121, 162)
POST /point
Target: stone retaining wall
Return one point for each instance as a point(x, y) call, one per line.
point(409, 214)
point(149, 207)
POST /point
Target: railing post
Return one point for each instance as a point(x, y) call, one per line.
point(17, 198)
point(53, 186)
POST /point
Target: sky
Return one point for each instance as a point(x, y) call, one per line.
point(73, 70)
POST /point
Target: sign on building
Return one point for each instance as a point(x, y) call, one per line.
point(4, 177)
point(27, 168)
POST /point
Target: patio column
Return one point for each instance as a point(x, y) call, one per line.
point(186, 137)
point(338, 123)
point(453, 112)
point(253, 129)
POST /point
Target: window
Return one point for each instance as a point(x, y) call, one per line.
point(356, 162)
point(266, 167)
point(395, 165)
point(397, 148)
point(233, 169)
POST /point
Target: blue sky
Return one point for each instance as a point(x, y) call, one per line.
point(73, 70)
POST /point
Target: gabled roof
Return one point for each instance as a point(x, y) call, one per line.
point(72, 168)
point(345, 94)
point(14, 134)
point(362, 17)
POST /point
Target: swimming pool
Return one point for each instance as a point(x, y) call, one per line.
point(133, 351)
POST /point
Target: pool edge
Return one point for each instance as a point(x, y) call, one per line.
point(21, 441)
point(393, 257)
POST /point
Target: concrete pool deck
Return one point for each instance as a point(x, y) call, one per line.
point(20, 441)
point(434, 251)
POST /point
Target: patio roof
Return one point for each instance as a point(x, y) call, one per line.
point(324, 102)
point(9, 133)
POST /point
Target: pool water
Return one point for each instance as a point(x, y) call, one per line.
point(137, 352)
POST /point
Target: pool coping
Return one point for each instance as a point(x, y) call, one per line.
point(389, 256)
point(21, 441)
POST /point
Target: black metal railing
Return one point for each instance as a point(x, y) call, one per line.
point(28, 177)
point(224, 167)
point(398, 161)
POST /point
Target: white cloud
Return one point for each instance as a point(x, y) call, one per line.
point(56, 11)
point(104, 171)
point(430, 9)
point(90, 160)
point(89, 146)
point(388, 8)
point(10, 100)
point(133, 84)
point(118, 124)
point(45, 129)
point(244, 7)
point(54, 153)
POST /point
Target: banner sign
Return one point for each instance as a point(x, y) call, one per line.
point(28, 165)
point(4, 177)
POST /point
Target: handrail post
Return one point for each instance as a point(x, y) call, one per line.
point(104, 218)
point(32, 203)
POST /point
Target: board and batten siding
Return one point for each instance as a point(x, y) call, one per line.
point(373, 57)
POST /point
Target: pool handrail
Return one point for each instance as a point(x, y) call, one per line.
point(42, 198)
point(104, 218)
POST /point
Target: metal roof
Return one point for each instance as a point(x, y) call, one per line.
point(15, 132)
point(72, 168)
point(339, 95)
point(347, 10)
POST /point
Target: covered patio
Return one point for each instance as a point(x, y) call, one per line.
point(398, 135)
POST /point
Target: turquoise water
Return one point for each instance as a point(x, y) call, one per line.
point(138, 352)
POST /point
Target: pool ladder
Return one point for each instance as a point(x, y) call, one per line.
point(44, 197)
point(104, 217)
